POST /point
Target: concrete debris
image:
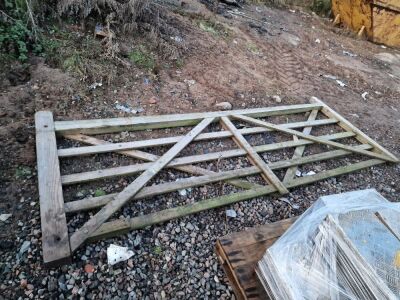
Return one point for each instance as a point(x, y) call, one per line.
point(364, 95)
point(231, 213)
point(116, 254)
point(94, 85)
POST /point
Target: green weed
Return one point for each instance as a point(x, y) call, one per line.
point(157, 250)
point(142, 58)
point(253, 49)
point(23, 172)
point(321, 7)
point(215, 28)
point(99, 193)
point(73, 63)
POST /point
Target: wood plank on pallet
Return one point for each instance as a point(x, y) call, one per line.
point(55, 242)
point(114, 147)
point(94, 202)
point(298, 152)
point(233, 253)
point(346, 125)
point(313, 138)
point(121, 226)
point(98, 126)
point(269, 176)
point(133, 169)
point(80, 236)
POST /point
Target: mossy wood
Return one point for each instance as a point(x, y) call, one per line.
point(54, 211)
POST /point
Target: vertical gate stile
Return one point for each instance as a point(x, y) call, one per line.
point(55, 241)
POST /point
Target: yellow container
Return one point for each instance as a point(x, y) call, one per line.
point(379, 18)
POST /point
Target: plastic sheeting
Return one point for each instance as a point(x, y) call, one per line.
point(345, 246)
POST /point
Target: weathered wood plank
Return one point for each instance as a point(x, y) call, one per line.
point(346, 125)
point(90, 203)
point(298, 152)
point(269, 176)
point(94, 202)
point(98, 126)
point(55, 241)
point(116, 147)
point(182, 161)
point(152, 157)
point(80, 236)
point(313, 138)
point(121, 226)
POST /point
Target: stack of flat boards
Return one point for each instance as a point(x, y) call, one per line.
point(345, 246)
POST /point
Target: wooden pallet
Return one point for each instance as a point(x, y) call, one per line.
point(58, 244)
point(239, 253)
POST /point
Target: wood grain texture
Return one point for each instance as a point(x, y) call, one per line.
point(116, 147)
point(298, 152)
point(98, 126)
point(346, 125)
point(121, 226)
point(314, 138)
point(191, 169)
point(239, 253)
point(267, 173)
point(55, 241)
point(94, 202)
point(80, 236)
point(183, 161)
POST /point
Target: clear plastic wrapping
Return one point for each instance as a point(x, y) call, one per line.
point(345, 246)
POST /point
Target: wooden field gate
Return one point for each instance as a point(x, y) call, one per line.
point(58, 244)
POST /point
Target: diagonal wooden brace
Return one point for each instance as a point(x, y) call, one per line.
point(269, 175)
point(313, 138)
point(81, 235)
point(298, 152)
point(191, 169)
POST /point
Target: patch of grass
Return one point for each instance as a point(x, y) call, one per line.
point(179, 63)
point(73, 63)
point(23, 172)
point(142, 58)
point(99, 193)
point(253, 49)
point(157, 250)
point(215, 28)
point(322, 7)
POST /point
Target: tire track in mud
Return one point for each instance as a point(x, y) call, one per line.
point(289, 71)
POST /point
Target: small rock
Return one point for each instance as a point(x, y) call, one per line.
point(4, 217)
point(153, 100)
point(224, 105)
point(130, 263)
point(89, 268)
point(30, 287)
point(190, 226)
point(52, 284)
point(23, 283)
point(25, 246)
point(137, 241)
point(277, 98)
point(231, 213)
